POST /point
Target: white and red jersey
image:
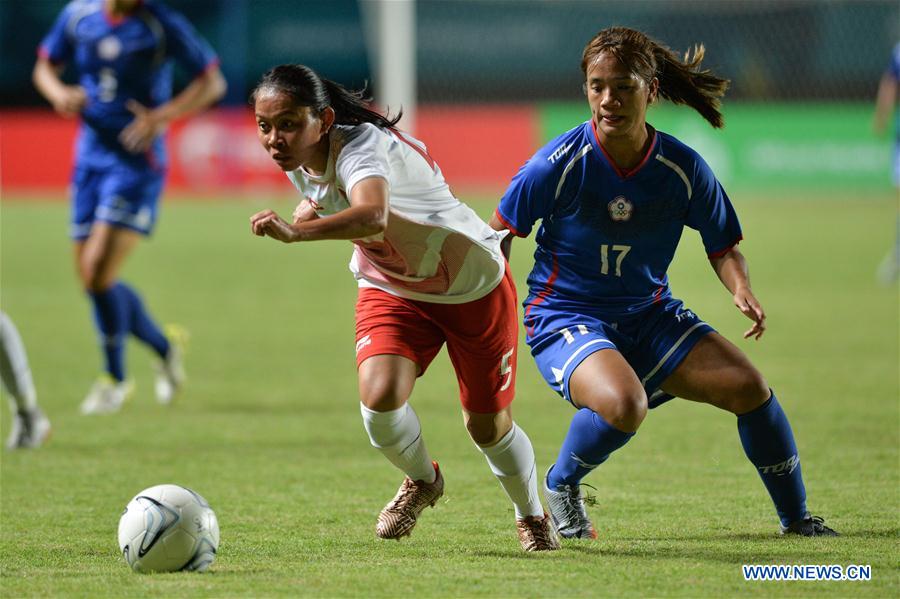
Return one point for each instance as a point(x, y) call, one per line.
point(435, 248)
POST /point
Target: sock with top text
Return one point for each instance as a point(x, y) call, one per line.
point(588, 444)
point(769, 444)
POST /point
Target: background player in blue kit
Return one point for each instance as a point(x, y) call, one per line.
point(614, 195)
point(885, 106)
point(122, 52)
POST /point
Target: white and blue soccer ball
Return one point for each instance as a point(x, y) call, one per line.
point(168, 528)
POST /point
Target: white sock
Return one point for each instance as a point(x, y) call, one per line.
point(512, 461)
point(14, 370)
point(398, 435)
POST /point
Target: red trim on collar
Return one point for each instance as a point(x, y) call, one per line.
point(113, 20)
point(623, 173)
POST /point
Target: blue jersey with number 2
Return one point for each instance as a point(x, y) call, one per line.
point(120, 60)
point(607, 236)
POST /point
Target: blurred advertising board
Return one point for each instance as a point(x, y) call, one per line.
point(769, 146)
point(765, 146)
point(218, 152)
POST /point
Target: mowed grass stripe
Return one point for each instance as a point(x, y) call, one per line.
point(268, 428)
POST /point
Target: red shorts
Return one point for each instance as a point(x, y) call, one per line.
point(482, 339)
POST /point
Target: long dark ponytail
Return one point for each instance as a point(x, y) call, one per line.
point(306, 88)
point(680, 81)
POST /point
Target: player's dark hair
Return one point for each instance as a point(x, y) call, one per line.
point(306, 88)
point(680, 81)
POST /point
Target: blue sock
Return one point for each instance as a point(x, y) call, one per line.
point(111, 320)
point(140, 324)
point(769, 443)
point(587, 445)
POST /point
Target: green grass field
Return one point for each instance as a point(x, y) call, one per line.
point(268, 428)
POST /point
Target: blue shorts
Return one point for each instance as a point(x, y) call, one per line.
point(653, 341)
point(123, 196)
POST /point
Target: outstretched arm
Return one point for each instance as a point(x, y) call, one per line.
point(67, 100)
point(202, 92)
point(366, 216)
point(732, 271)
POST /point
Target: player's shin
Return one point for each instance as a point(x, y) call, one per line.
point(111, 318)
point(588, 444)
point(769, 444)
point(397, 434)
point(141, 324)
point(512, 461)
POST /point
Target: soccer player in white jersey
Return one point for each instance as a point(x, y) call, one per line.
point(613, 196)
point(30, 427)
point(430, 272)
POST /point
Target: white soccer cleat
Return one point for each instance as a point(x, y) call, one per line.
point(106, 396)
point(566, 506)
point(29, 430)
point(170, 374)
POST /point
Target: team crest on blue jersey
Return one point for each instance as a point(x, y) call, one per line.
point(109, 48)
point(620, 209)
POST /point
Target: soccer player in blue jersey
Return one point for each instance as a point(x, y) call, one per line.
point(122, 52)
point(614, 195)
point(885, 106)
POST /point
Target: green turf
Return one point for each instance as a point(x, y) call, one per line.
point(268, 429)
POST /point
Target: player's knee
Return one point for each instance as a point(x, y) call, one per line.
point(92, 278)
point(624, 409)
point(487, 429)
point(381, 394)
point(96, 285)
point(751, 390)
point(629, 412)
point(482, 433)
point(94, 274)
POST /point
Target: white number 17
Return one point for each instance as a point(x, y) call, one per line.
point(604, 258)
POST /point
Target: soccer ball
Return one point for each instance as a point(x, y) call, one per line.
point(167, 528)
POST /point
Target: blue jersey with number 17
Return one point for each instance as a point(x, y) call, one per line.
point(607, 236)
point(121, 60)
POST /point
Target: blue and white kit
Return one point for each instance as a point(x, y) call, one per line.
point(605, 242)
point(117, 60)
